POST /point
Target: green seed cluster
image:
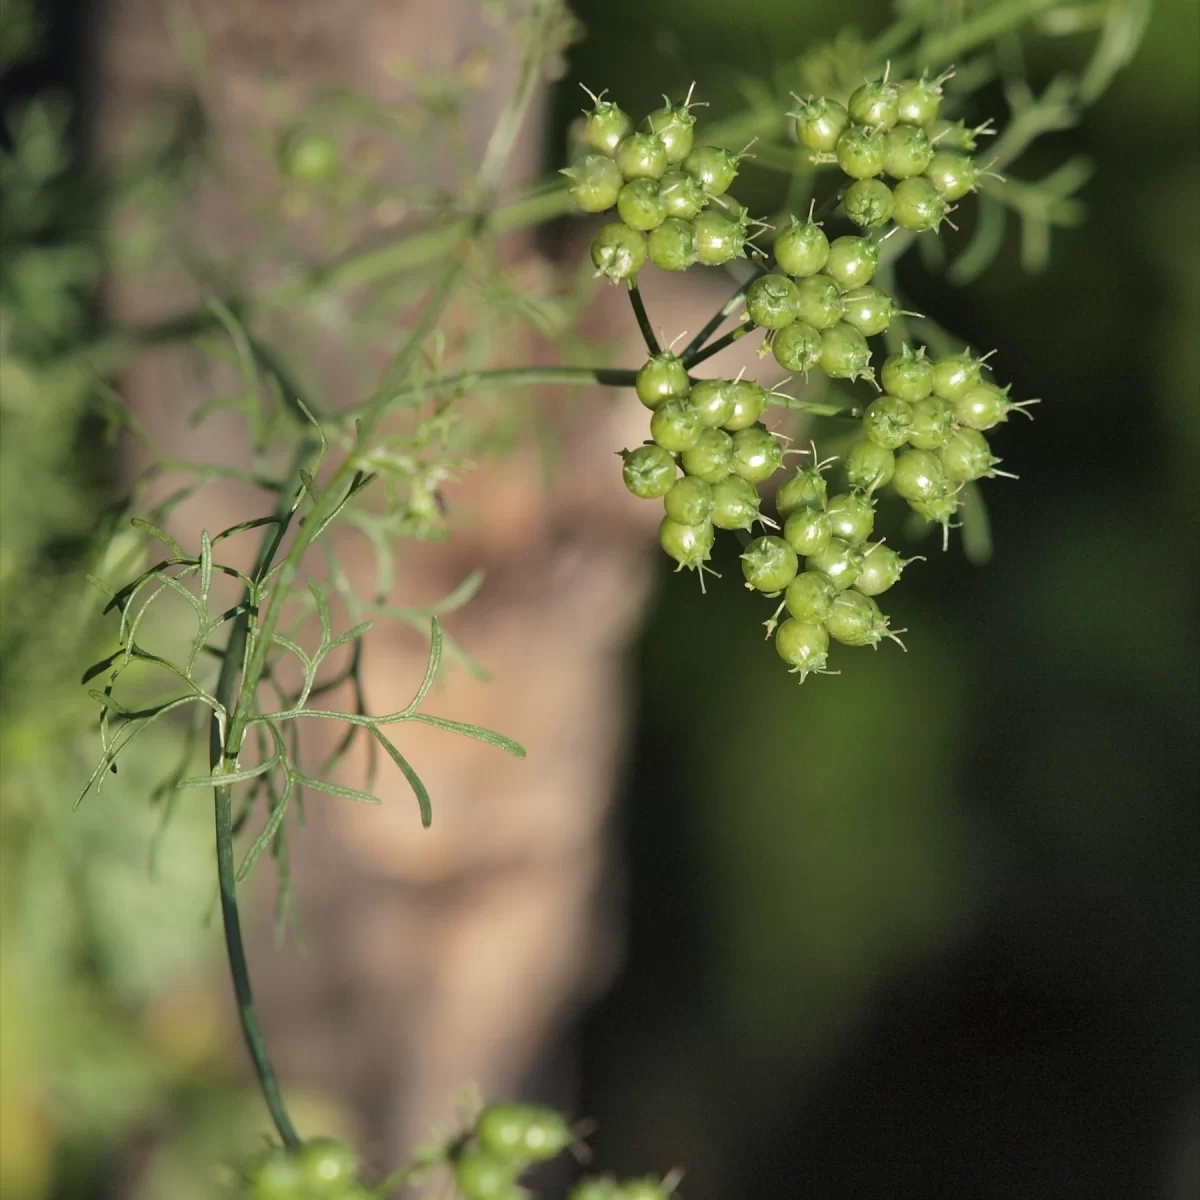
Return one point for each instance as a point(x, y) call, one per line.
point(322, 1169)
point(509, 1138)
point(893, 130)
point(670, 195)
point(709, 453)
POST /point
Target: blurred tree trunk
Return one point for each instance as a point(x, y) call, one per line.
point(458, 954)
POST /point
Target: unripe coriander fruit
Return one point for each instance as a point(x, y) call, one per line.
point(607, 126)
point(919, 476)
point(713, 168)
point(328, 1164)
point(672, 246)
point(938, 510)
point(641, 206)
point(596, 182)
point(718, 239)
point(908, 374)
point(675, 426)
point(807, 531)
point(855, 620)
point(851, 517)
point(818, 301)
point(641, 156)
point(735, 503)
point(805, 489)
point(713, 400)
point(522, 1132)
point(673, 124)
point(954, 175)
point(908, 152)
point(955, 375)
point(711, 458)
point(869, 310)
point(875, 104)
point(839, 562)
point(820, 122)
point(757, 454)
point(983, 406)
point(954, 135)
point(810, 597)
point(595, 1187)
point(769, 564)
point(749, 403)
point(275, 1176)
point(649, 471)
point(868, 203)
point(918, 205)
point(689, 545)
point(689, 502)
point(797, 348)
point(618, 252)
point(918, 101)
point(308, 156)
point(852, 261)
point(801, 249)
point(932, 423)
point(483, 1176)
point(881, 568)
point(660, 378)
point(861, 151)
point(886, 422)
point(643, 1189)
point(967, 456)
point(869, 466)
point(804, 647)
point(845, 353)
point(683, 195)
point(771, 301)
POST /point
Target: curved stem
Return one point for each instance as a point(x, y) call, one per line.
point(639, 311)
point(726, 310)
point(720, 344)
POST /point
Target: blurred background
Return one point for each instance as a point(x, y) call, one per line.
point(924, 928)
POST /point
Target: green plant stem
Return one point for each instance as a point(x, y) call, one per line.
point(726, 310)
point(639, 311)
point(219, 758)
point(720, 344)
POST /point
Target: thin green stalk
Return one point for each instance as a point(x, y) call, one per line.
point(720, 344)
point(639, 311)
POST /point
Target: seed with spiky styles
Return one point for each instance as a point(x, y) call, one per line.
point(618, 252)
point(673, 125)
point(596, 182)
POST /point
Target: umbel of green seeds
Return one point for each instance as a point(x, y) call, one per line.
point(771, 301)
point(801, 249)
point(819, 123)
point(713, 168)
point(660, 378)
point(797, 348)
point(649, 471)
point(596, 182)
point(769, 564)
point(675, 426)
point(522, 1132)
point(868, 202)
point(618, 252)
point(852, 261)
point(641, 206)
point(673, 124)
point(607, 125)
